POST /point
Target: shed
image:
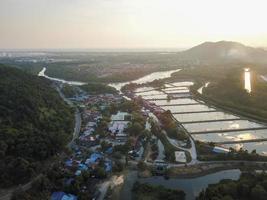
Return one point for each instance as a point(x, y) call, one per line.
point(180, 156)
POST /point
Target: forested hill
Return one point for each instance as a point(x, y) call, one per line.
point(35, 123)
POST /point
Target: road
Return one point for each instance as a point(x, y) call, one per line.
point(78, 120)
point(24, 187)
point(111, 182)
point(191, 150)
point(77, 127)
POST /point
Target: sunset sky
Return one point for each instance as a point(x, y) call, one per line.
point(130, 23)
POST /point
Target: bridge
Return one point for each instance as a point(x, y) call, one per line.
point(228, 130)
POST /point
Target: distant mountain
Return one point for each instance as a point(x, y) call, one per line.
point(35, 124)
point(225, 51)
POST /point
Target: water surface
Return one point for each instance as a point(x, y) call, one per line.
point(159, 96)
point(187, 108)
point(152, 92)
point(148, 78)
point(231, 136)
point(181, 84)
point(177, 91)
point(174, 88)
point(221, 125)
point(191, 117)
point(174, 101)
point(260, 147)
point(193, 186)
point(42, 73)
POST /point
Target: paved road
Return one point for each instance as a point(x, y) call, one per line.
point(77, 127)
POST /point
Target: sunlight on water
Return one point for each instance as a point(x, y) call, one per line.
point(247, 80)
point(145, 79)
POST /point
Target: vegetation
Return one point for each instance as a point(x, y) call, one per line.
point(205, 153)
point(98, 88)
point(107, 67)
point(171, 126)
point(35, 124)
point(249, 187)
point(169, 149)
point(69, 91)
point(144, 191)
point(58, 179)
point(229, 93)
point(137, 125)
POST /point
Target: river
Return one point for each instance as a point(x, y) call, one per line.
point(193, 186)
point(148, 78)
point(42, 73)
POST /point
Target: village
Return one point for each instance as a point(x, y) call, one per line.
point(116, 131)
point(124, 133)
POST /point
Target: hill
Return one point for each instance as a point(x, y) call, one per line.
point(35, 124)
point(225, 51)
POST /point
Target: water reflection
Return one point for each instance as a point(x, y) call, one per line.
point(204, 116)
point(231, 136)
point(193, 186)
point(188, 108)
point(148, 78)
point(247, 80)
point(221, 125)
point(174, 101)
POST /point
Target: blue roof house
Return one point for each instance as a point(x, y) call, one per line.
point(108, 166)
point(62, 196)
point(93, 158)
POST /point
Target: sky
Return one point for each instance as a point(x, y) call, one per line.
point(27, 24)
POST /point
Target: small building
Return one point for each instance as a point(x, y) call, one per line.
point(120, 116)
point(118, 126)
point(94, 158)
point(180, 156)
point(108, 166)
point(91, 124)
point(62, 196)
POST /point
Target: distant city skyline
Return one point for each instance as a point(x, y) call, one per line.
point(128, 24)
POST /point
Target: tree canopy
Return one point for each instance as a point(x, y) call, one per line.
point(35, 124)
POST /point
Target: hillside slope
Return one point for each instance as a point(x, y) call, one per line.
point(225, 51)
point(34, 124)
